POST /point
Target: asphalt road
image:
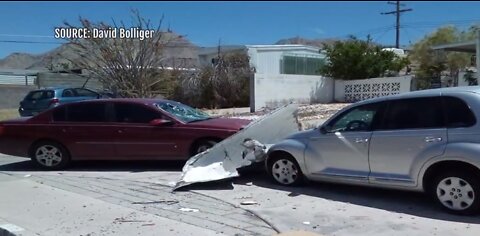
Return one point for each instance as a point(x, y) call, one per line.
point(134, 198)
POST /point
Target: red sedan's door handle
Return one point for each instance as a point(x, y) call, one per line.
point(119, 131)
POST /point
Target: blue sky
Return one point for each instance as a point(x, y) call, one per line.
point(204, 23)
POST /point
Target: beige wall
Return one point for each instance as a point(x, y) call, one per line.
point(65, 80)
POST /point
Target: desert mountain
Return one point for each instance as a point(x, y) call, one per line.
point(310, 42)
point(178, 52)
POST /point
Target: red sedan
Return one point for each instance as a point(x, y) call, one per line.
point(114, 129)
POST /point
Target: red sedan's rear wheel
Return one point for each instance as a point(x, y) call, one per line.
point(50, 155)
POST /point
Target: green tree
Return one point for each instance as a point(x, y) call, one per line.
point(358, 59)
point(432, 63)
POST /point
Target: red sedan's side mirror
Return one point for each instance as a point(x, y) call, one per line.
point(161, 122)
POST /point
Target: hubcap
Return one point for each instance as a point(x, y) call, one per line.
point(205, 147)
point(455, 193)
point(284, 171)
point(48, 155)
point(202, 148)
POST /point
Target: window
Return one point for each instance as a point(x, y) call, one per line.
point(301, 65)
point(85, 93)
point(458, 113)
point(135, 113)
point(87, 112)
point(357, 119)
point(183, 112)
point(415, 113)
point(37, 95)
point(68, 93)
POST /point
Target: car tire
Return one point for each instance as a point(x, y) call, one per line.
point(50, 155)
point(284, 170)
point(202, 146)
point(457, 192)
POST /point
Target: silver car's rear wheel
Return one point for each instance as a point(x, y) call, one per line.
point(50, 155)
point(457, 191)
point(285, 170)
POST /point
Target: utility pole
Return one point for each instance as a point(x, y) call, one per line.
point(397, 14)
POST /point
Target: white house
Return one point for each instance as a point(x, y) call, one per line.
point(272, 59)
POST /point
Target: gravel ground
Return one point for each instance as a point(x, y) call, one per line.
point(305, 112)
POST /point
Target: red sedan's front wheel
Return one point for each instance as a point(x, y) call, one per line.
point(202, 146)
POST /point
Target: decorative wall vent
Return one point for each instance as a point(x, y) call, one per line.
point(357, 91)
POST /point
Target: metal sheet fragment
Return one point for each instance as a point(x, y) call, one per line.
point(241, 149)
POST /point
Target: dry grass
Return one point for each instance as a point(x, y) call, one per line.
point(8, 114)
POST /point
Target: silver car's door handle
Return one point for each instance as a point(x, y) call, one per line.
point(432, 139)
point(361, 140)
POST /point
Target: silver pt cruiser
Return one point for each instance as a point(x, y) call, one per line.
point(422, 141)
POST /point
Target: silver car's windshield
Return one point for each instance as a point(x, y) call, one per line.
point(183, 112)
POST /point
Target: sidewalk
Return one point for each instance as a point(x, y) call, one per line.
point(27, 206)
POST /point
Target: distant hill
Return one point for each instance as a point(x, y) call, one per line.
point(179, 52)
point(19, 61)
point(310, 42)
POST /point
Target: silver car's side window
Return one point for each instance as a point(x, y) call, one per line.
point(356, 119)
point(414, 113)
point(459, 115)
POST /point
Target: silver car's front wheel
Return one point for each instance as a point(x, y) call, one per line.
point(458, 192)
point(285, 170)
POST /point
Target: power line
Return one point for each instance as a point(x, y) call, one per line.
point(32, 42)
point(368, 31)
point(442, 22)
point(25, 36)
point(381, 36)
point(397, 13)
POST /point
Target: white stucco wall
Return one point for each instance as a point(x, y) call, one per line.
point(273, 90)
point(356, 90)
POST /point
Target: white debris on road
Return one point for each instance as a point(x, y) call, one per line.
point(188, 210)
point(222, 160)
point(249, 203)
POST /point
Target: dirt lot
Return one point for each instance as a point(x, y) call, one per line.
point(305, 112)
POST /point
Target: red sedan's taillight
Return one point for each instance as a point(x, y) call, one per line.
point(54, 102)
